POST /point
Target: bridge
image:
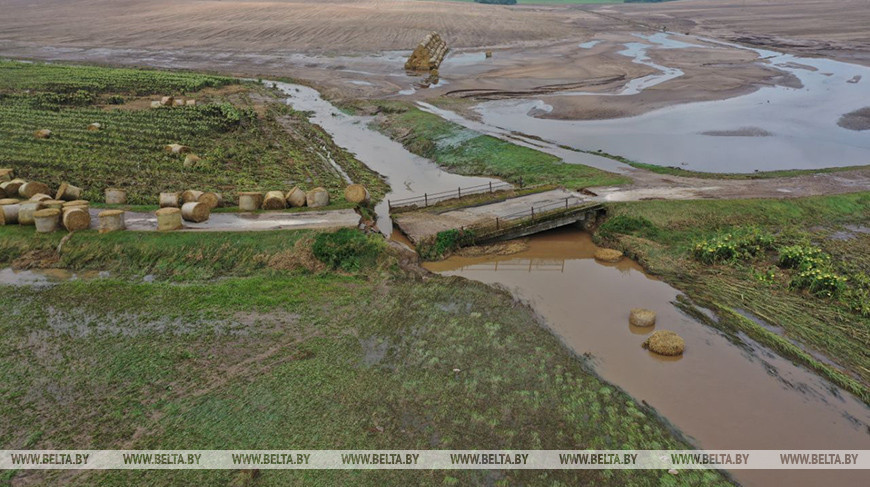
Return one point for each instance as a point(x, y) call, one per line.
point(507, 218)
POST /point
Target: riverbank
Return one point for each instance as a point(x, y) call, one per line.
point(242, 341)
point(761, 291)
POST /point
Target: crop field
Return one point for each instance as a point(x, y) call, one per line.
point(243, 140)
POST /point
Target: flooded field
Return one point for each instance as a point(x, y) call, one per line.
point(408, 174)
point(792, 125)
point(721, 395)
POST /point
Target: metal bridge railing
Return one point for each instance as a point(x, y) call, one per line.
point(534, 213)
point(432, 198)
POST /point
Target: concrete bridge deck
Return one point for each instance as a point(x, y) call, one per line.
point(419, 225)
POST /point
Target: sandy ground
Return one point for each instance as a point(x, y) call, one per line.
point(356, 49)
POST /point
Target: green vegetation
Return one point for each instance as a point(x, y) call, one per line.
point(464, 151)
point(246, 143)
point(347, 250)
point(444, 243)
point(277, 357)
point(789, 263)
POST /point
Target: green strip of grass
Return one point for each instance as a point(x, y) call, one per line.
point(464, 151)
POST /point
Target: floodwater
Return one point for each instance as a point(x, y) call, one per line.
point(798, 126)
point(408, 174)
point(721, 395)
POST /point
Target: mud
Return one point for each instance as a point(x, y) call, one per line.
point(720, 394)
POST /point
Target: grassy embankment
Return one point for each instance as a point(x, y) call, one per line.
point(247, 140)
point(323, 344)
point(788, 263)
point(464, 151)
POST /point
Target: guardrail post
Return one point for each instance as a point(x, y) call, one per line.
point(490, 186)
point(496, 223)
point(533, 213)
point(459, 192)
point(566, 203)
point(425, 199)
point(389, 206)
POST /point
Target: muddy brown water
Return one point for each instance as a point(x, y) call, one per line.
point(719, 394)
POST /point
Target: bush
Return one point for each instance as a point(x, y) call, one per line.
point(629, 225)
point(802, 257)
point(733, 246)
point(346, 249)
point(444, 243)
point(820, 282)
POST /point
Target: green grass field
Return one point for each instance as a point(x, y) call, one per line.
point(464, 151)
point(663, 236)
point(246, 139)
point(249, 352)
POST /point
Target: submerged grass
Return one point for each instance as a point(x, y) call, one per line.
point(827, 334)
point(367, 360)
point(464, 151)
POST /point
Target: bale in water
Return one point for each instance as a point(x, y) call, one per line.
point(169, 219)
point(6, 174)
point(111, 221)
point(26, 211)
point(46, 220)
point(666, 343)
point(317, 197)
point(177, 149)
point(191, 159)
point(195, 212)
point(274, 200)
point(42, 134)
point(608, 255)
point(95, 126)
point(115, 196)
point(9, 214)
point(11, 187)
point(642, 317)
point(190, 196)
point(212, 200)
point(27, 190)
point(357, 193)
point(168, 200)
point(76, 218)
point(488, 54)
point(68, 192)
point(250, 201)
point(295, 197)
point(39, 197)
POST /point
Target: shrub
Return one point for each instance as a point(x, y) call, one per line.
point(820, 282)
point(802, 257)
point(346, 249)
point(733, 246)
point(629, 225)
point(444, 243)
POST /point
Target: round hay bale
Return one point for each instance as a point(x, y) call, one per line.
point(6, 174)
point(76, 218)
point(274, 200)
point(2, 193)
point(8, 201)
point(75, 203)
point(168, 200)
point(664, 342)
point(11, 187)
point(95, 126)
point(42, 134)
point(195, 212)
point(178, 102)
point(169, 219)
point(295, 197)
point(26, 211)
point(46, 220)
point(212, 200)
point(156, 104)
point(191, 160)
point(177, 149)
point(317, 197)
point(190, 103)
point(40, 197)
point(68, 192)
point(56, 204)
point(357, 193)
point(488, 54)
point(250, 201)
point(190, 196)
point(642, 317)
point(608, 255)
point(10, 213)
point(115, 196)
point(167, 101)
point(111, 221)
point(27, 190)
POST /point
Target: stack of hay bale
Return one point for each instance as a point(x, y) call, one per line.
point(428, 55)
point(37, 208)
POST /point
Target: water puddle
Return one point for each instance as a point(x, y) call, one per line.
point(408, 174)
point(800, 124)
point(722, 395)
